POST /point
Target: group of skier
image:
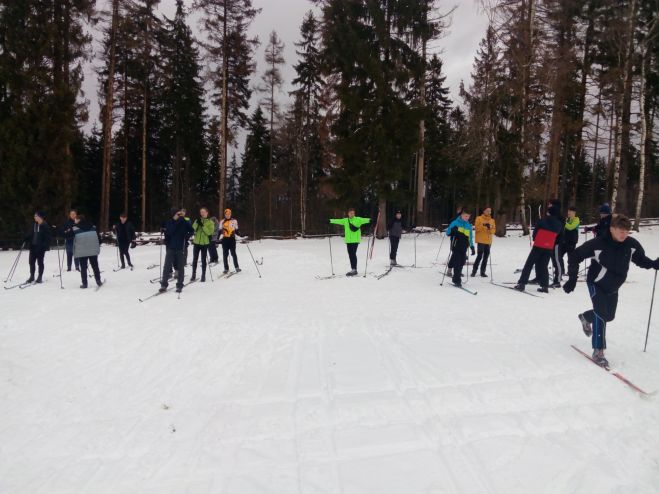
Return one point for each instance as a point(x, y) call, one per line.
point(610, 253)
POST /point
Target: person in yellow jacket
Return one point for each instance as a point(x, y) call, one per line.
point(485, 227)
point(353, 236)
point(203, 230)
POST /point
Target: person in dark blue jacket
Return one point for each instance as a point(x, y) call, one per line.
point(611, 255)
point(602, 229)
point(125, 232)
point(177, 232)
point(66, 230)
point(462, 239)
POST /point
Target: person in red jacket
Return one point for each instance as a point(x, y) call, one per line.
point(545, 236)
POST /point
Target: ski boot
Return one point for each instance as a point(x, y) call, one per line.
point(520, 287)
point(473, 274)
point(352, 272)
point(39, 279)
point(203, 278)
point(30, 280)
point(238, 270)
point(226, 271)
point(179, 289)
point(83, 286)
point(193, 277)
point(99, 281)
point(586, 326)
point(163, 289)
point(543, 289)
point(598, 357)
point(556, 284)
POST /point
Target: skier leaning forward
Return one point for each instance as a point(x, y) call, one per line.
point(611, 255)
point(352, 226)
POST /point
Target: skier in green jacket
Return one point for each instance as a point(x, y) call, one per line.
point(203, 230)
point(353, 236)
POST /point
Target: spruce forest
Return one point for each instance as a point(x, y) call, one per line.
point(561, 104)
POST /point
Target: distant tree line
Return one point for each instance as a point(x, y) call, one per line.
point(562, 104)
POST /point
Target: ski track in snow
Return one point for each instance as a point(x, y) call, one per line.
point(289, 384)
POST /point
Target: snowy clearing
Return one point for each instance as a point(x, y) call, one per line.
point(289, 384)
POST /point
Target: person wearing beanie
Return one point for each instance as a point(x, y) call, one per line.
point(38, 240)
point(555, 255)
point(228, 232)
point(485, 226)
point(602, 229)
point(67, 232)
point(352, 228)
point(462, 239)
point(610, 258)
point(203, 229)
point(177, 231)
point(570, 236)
point(545, 235)
point(86, 248)
point(395, 232)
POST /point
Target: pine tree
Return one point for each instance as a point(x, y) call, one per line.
point(254, 168)
point(226, 23)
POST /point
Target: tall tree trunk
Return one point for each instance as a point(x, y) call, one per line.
point(221, 186)
point(107, 123)
point(597, 131)
point(421, 156)
point(525, 90)
point(125, 134)
point(270, 184)
point(624, 85)
point(643, 144)
point(145, 107)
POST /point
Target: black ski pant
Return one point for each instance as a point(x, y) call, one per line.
point(36, 257)
point(196, 250)
point(352, 254)
point(229, 247)
point(84, 261)
point(565, 249)
point(393, 241)
point(557, 263)
point(483, 255)
point(173, 258)
point(68, 243)
point(124, 255)
point(604, 311)
point(456, 263)
point(540, 259)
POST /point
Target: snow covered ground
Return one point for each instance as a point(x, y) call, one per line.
point(289, 384)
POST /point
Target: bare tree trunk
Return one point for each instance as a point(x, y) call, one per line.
point(643, 144)
point(107, 123)
point(525, 90)
point(272, 119)
point(421, 164)
point(597, 131)
point(125, 135)
point(620, 104)
point(145, 106)
point(221, 186)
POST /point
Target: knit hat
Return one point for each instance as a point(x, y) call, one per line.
point(552, 210)
point(40, 214)
point(605, 209)
point(173, 211)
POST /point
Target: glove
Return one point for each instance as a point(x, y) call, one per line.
point(486, 225)
point(655, 264)
point(133, 244)
point(569, 285)
point(473, 251)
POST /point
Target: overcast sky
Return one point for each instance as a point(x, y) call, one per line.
point(457, 48)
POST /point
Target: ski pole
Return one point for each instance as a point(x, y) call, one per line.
point(59, 264)
point(117, 246)
point(12, 270)
point(161, 244)
point(647, 333)
point(329, 240)
point(253, 260)
point(207, 258)
point(440, 246)
point(491, 272)
point(448, 260)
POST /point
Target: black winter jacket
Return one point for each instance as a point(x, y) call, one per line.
point(39, 236)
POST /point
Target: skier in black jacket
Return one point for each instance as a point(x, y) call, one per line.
point(545, 236)
point(611, 255)
point(395, 232)
point(38, 240)
point(602, 228)
point(67, 231)
point(177, 232)
point(125, 232)
point(555, 255)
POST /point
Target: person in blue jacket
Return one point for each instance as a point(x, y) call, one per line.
point(462, 239)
